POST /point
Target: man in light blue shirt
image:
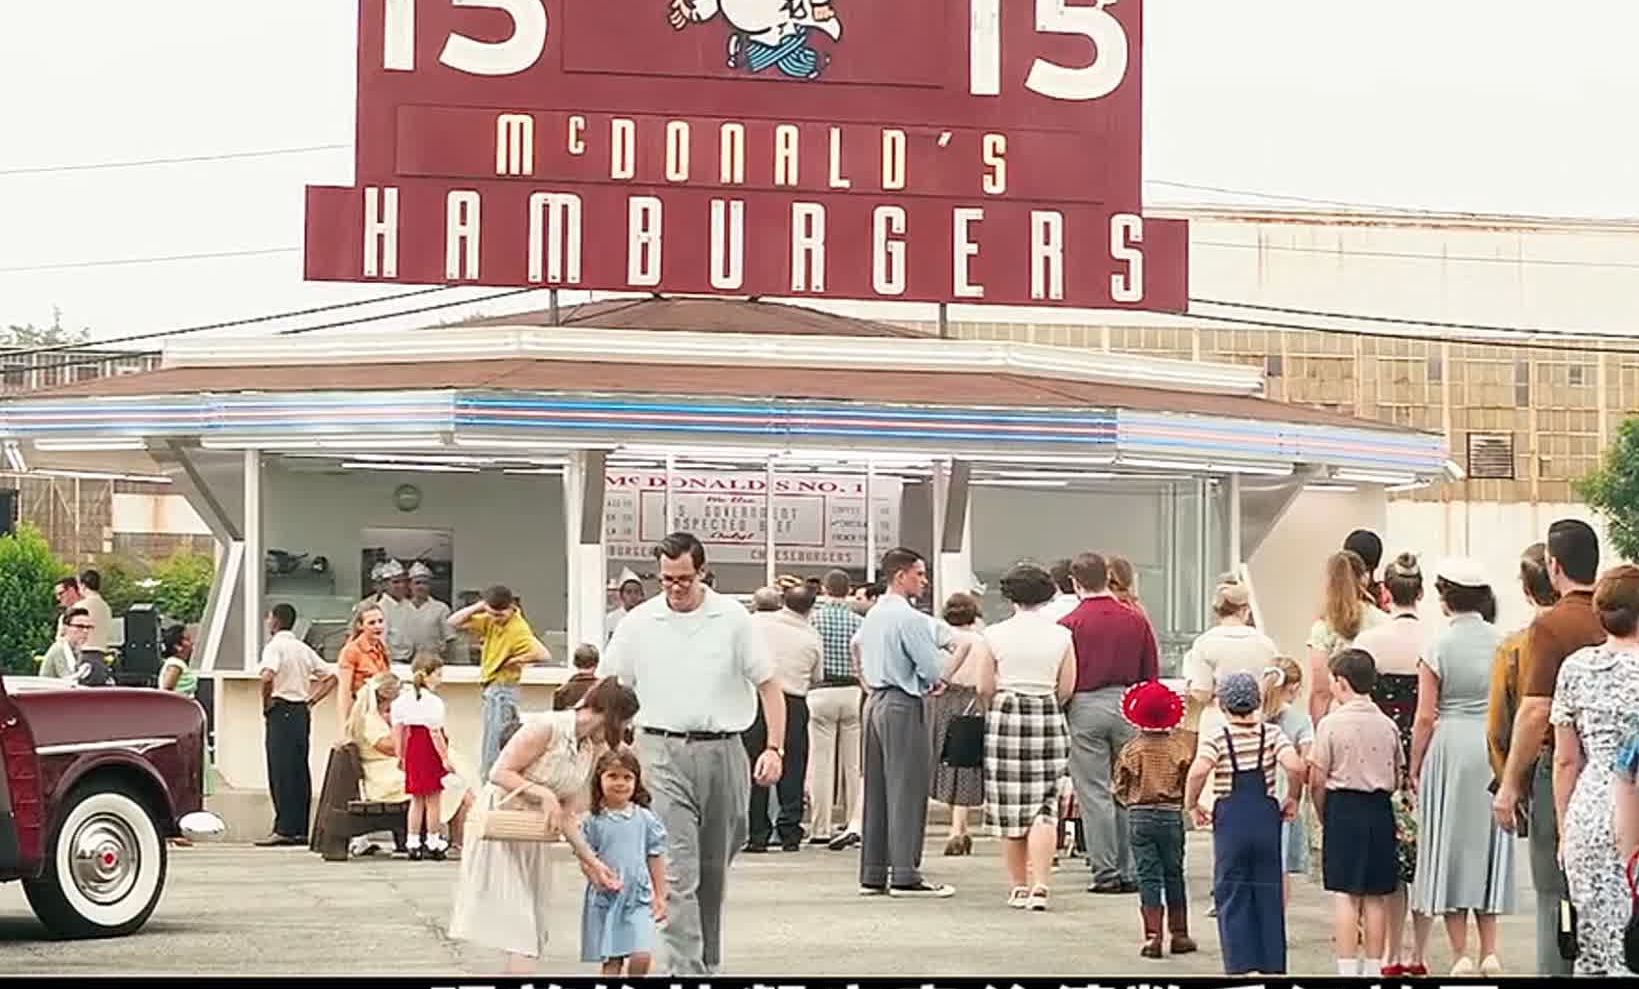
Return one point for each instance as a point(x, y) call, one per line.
point(900, 663)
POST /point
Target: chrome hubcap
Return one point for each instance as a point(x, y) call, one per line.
point(105, 859)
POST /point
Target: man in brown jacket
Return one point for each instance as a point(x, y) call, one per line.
point(1527, 788)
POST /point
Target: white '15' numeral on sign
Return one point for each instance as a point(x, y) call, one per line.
point(1049, 79)
point(522, 49)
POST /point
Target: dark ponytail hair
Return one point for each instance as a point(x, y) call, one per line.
point(1533, 576)
point(618, 705)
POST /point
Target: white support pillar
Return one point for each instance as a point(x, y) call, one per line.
point(583, 530)
point(1235, 558)
point(255, 559)
point(871, 552)
point(671, 499)
point(768, 524)
point(953, 560)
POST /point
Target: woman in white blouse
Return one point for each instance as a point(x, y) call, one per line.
point(1027, 671)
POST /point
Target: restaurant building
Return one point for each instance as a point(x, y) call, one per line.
point(552, 457)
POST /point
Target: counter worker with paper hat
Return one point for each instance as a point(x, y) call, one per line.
point(392, 596)
point(425, 618)
point(631, 594)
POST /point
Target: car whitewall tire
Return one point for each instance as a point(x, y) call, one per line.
point(106, 869)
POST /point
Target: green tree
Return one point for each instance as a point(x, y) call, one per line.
point(123, 582)
point(28, 335)
point(184, 585)
point(28, 608)
point(1612, 490)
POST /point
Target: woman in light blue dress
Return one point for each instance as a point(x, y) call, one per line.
point(1465, 862)
point(618, 927)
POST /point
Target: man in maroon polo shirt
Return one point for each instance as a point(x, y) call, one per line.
point(1115, 648)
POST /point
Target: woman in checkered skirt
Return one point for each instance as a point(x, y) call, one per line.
point(1028, 670)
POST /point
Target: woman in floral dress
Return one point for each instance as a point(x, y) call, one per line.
point(1596, 707)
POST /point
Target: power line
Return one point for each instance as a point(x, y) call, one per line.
point(415, 312)
point(1416, 256)
point(1437, 324)
point(119, 262)
point(332, 325)
point(181, 160)
point(1423, 338)
point(1233, 245)
point(58, 348)
point(1227, 190)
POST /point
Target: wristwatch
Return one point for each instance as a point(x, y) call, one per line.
point(777, 750)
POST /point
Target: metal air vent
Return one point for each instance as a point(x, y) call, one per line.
point(1491, 456)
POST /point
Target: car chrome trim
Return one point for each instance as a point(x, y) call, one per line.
point(140, 746)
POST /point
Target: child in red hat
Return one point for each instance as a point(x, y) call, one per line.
point(1150, 775)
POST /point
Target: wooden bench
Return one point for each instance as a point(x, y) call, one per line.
point(343, 814)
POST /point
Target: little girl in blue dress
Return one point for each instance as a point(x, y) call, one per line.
point(618, 928)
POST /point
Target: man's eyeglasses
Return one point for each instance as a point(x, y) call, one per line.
point(682, 580)
point(84, 628)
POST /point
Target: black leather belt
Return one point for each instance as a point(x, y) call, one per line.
point(692, 736)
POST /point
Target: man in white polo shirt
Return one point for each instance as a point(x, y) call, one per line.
point(699, 667)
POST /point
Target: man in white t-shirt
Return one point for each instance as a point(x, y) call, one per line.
point(1231, 646)
point(1065, 598)
point(102, 617)
point(699, 667)
point(294, 679)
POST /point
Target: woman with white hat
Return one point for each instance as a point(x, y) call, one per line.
point(1465, 862)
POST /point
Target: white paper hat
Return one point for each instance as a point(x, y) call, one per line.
point(1463, 572)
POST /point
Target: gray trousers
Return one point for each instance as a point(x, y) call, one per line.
point(1097, 733)
point(1545, 872)
point(898, 766)
point(700, 790)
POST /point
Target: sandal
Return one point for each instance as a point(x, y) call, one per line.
point(1037, 900)
point(953, 846)
point(1019, 897)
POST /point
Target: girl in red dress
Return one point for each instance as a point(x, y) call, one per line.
point(423, 754)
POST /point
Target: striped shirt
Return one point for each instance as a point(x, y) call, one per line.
point(1246, 741)
point(836, 623)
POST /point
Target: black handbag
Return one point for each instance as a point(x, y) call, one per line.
point(964, 746)
point(1567, 930)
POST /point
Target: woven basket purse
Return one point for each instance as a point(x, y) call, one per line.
point(498, 823)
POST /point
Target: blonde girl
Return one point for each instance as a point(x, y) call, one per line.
point(1282, 689)
point(423, 754)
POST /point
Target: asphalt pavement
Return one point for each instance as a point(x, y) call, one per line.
point(236, 909)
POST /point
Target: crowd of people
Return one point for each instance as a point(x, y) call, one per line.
point(1398, 760)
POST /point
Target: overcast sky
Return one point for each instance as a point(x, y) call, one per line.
point(1468, 105)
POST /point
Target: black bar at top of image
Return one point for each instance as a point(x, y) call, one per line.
point(1157, 981)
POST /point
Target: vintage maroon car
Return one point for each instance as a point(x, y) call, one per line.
point(95, 780)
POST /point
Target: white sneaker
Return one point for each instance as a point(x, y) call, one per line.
point(1491, 966)
point(925, 890)
point(1463, 969)
point(1019, 897)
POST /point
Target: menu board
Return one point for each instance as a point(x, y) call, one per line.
point(819, 519)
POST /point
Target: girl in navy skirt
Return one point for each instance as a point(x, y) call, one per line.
point(1356, 765)
point(423, 754)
